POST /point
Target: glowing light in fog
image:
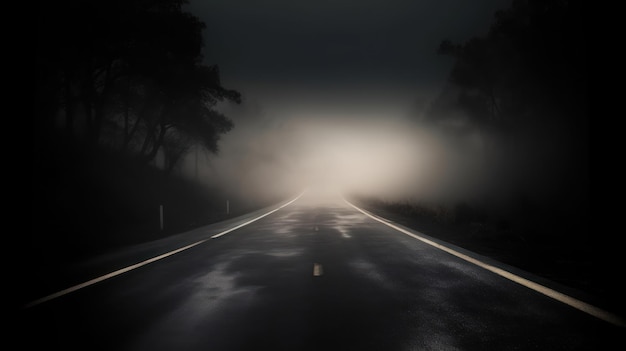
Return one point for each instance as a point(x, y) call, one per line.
point(381, 155)
point(370, 154)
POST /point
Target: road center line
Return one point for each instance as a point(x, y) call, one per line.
point(317, 270)
point(148, 261)
point(573, 302)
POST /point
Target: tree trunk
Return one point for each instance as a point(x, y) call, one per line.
point(156, 145)
point(69, 104)
point(150, 127)
point(100, 102)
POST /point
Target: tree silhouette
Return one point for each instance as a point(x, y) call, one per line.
point(523, 88)
point(530, 63)
point(128, 74)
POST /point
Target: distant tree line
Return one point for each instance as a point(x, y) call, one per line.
point(531, 65)
point(522, 85)
point(514, 117)
point(127, 74)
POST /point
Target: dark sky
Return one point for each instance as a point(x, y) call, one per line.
point(347, 53)
point(335, 82)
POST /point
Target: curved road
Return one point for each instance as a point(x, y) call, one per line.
point(316, 274)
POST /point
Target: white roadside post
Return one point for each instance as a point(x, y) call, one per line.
point(161, 216)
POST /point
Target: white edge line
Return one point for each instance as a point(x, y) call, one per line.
point(150, 260)
point(573, 302)
point(256, 219)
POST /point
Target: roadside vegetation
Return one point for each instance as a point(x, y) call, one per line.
point(89, 202)
point(123, 96)
point(531, 240)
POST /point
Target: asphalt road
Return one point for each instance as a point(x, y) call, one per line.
point(314, 275)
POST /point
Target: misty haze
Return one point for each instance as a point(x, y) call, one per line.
point(324, 175)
